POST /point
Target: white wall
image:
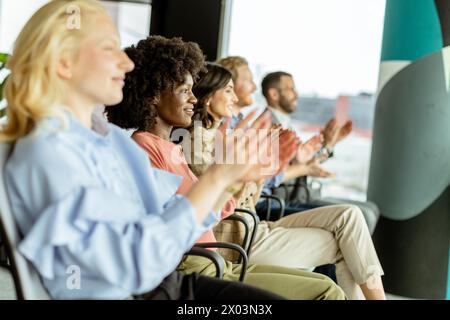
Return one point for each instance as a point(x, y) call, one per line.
point(13, 16)
point(132, 20)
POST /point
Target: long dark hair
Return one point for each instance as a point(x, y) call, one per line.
point(216, 78)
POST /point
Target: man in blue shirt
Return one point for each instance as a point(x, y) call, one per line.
point(282, 98)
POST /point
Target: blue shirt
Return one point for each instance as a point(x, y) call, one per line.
point(90, 199)
point(235, 119)
point(272, 182)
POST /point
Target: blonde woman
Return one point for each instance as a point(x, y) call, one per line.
point(82, 192)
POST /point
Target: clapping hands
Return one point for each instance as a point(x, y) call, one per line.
point(333, 133)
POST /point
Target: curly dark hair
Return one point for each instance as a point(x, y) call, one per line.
point(160, 64)
point(216, 78)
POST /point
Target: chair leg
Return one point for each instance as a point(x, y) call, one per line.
point(3, 257)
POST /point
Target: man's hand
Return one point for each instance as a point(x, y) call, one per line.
point(308, 150)
point(333, 133)
point(345, 130)
point(315, 170)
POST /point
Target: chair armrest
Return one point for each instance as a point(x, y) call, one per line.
point(297, 185)
point(3, 257)
point(231, 246)
point(255, 228)
point(285, 187)
point(277, 199)
point(216, 258)
point(242, 220)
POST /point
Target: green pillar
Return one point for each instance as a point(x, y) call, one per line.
point(410, 165)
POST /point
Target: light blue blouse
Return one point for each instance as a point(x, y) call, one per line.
point(90, 199)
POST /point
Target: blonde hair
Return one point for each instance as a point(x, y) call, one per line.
point(33, 89)
point(232, 64)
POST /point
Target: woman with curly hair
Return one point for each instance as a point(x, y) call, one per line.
point(82, 193)
point(158, 97)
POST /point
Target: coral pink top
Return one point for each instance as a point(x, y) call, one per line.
point(166, 155)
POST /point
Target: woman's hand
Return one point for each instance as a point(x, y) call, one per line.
point(289, 143)
point(245, 145)
point(268, 161)
point(239, 153)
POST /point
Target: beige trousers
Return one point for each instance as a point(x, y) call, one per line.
point(290, 283)
point(333, 234)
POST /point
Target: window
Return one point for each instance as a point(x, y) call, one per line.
point(332, 48)
point(132, 20)
point(13, 16)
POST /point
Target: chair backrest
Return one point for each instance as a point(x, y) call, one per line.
point(26, 279)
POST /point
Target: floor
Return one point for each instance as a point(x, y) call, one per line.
point(7, 291)
point(7, 288)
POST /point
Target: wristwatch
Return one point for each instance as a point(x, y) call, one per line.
point(330, 152)
point(325, 151)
